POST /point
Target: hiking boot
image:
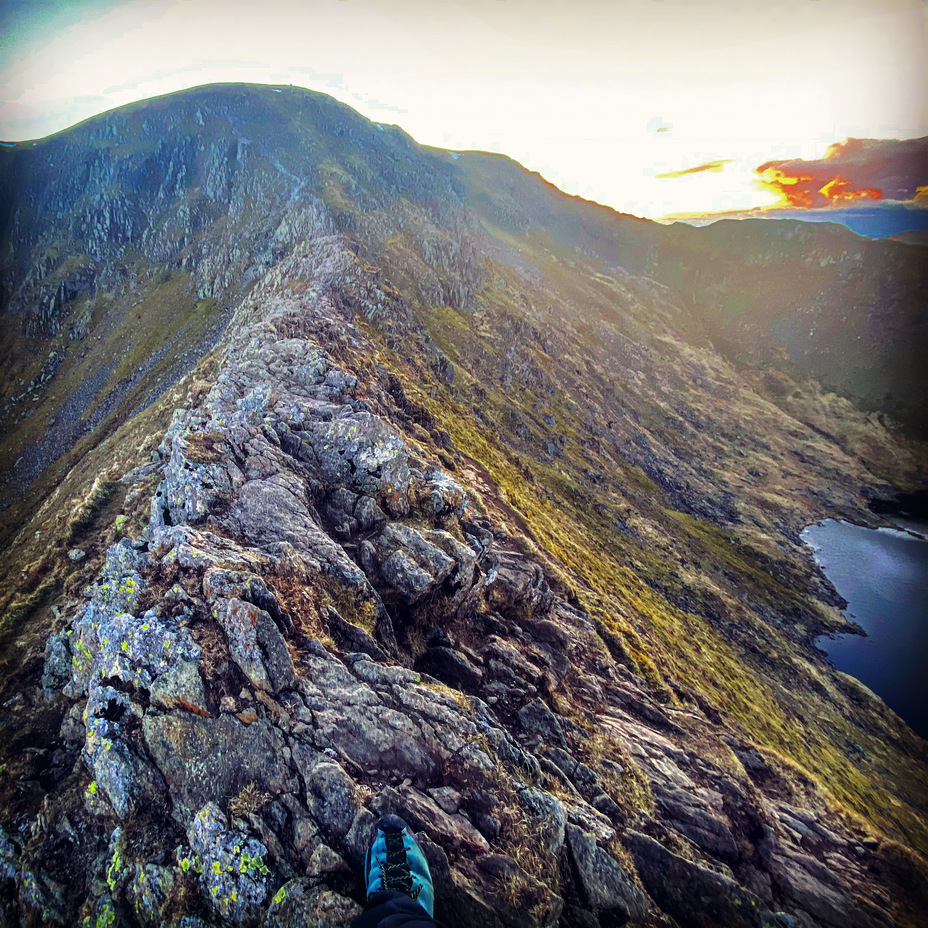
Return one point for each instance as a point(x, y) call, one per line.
point(395, 862)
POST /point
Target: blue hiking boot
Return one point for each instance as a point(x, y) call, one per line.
point(395, 862)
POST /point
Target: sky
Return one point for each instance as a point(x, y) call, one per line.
point(649, 106)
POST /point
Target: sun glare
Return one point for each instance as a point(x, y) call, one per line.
point(617, 103)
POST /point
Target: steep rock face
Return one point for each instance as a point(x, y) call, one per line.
point(221, 185)
point(245, 690)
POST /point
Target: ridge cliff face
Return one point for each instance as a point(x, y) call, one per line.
point(445, 520)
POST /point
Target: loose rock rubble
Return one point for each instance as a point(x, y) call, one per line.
point(315, 629)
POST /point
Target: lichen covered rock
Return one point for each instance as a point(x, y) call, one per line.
point(231, 865)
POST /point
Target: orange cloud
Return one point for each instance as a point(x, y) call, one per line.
point(708, 166)
point(840, 190)
point(852, 170)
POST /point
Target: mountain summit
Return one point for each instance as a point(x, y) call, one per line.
point(346, 476)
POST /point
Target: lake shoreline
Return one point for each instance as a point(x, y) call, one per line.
point(880, 574)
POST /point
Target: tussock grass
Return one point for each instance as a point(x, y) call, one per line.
point(249, 800)
point(306, 605)
point(205, 447)
point(103, 490)
point(516, 838)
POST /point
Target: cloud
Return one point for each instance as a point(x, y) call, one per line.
point(872, 219)
point(851, 171)
point(657, 124)
point(708, 166)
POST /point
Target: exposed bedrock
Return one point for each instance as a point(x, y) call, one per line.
point(315, 629)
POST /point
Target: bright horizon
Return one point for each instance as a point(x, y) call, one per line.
point(600, 98)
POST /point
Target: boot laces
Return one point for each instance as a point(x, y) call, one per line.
point(397, 875)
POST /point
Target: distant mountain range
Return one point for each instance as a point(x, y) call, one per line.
point(884, 220)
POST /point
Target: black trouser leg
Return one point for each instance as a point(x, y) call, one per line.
point(394, 910)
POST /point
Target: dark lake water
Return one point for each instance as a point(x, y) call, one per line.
point(883, 575)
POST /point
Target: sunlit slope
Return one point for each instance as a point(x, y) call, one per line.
point(811, 298)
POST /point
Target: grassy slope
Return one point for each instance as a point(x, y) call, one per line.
point(718, 633)
point(124, 334)
point(722, 641)
point(782, 702)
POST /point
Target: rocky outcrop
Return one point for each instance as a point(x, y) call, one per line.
point(314, 629)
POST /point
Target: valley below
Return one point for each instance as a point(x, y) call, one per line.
point(343, 475)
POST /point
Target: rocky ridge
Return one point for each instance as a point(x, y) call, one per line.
point(317, 625)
